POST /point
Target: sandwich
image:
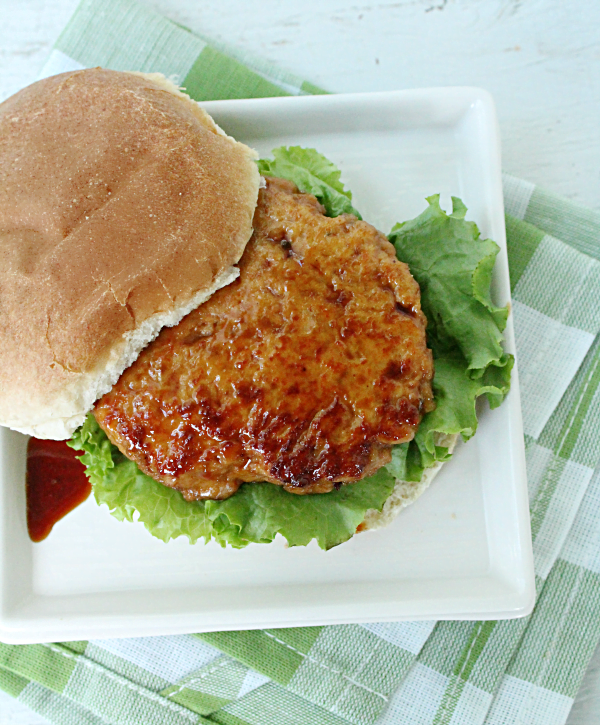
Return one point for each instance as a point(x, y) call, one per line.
point(312, 390)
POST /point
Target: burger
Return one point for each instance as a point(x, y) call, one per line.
point(234, 350)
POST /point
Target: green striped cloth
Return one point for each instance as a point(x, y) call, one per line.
point(456, 673)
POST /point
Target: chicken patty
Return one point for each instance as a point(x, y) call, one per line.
point(304, 372)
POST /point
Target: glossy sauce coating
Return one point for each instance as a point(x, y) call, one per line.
point(303, 372)
point(56, 483)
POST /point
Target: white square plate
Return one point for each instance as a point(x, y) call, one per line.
point(463, 550)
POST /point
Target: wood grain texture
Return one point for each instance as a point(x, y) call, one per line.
point(539, 58)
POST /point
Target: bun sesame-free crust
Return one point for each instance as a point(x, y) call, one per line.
point(122, 207)
point(407, 492)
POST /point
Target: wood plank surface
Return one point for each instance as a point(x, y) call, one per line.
point(539, 58)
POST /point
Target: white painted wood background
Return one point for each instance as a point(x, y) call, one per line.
point(539, 58)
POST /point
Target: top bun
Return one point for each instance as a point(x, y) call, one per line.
point(122, 208)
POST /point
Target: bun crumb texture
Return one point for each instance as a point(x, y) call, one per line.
point(122, 208)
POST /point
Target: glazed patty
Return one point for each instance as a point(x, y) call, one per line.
point(304, 372)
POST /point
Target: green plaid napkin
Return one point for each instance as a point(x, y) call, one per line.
point(457, 673)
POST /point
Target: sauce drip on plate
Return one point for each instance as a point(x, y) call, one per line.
point(56, 484)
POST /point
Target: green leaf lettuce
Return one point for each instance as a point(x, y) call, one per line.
point(256, 513)
point(453, 266)
point(313, 174)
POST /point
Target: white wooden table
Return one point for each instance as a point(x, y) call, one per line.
point(539, 58)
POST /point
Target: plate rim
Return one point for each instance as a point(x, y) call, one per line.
point(15, 629)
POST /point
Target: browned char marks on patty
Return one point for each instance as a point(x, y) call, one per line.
point(303, 372)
